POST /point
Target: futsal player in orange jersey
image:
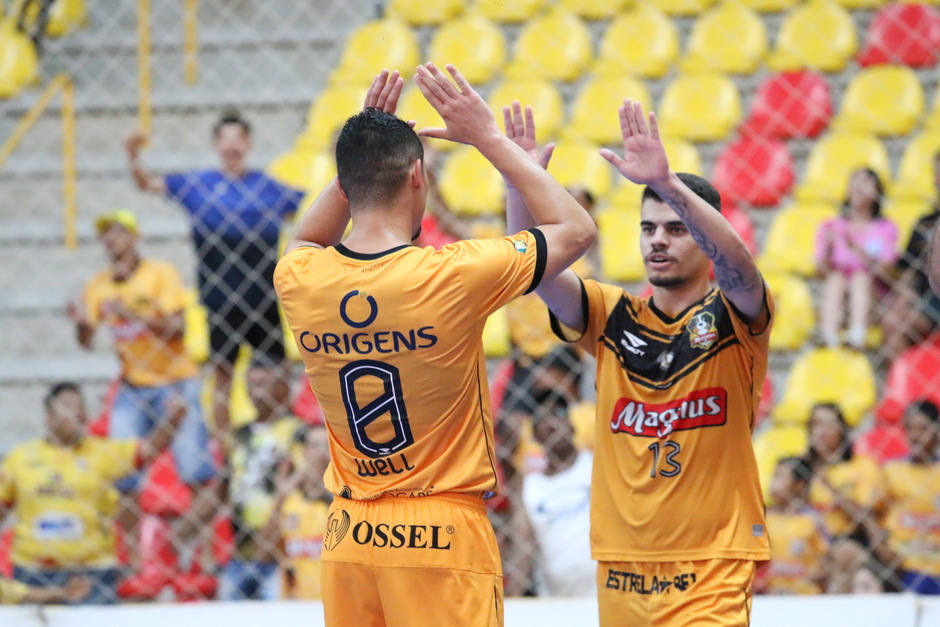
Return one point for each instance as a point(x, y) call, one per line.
point(677, 518)
point(391, 338)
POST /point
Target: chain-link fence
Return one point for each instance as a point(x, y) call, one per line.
point(165, 311)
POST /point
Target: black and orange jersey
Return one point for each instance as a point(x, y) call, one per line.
point(675, 477)
point(392, 344)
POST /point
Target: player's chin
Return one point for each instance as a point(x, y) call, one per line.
point(663, 279)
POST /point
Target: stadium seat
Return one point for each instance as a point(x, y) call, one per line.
point(619, 234)
point(19, 64)
point(795, 316)
point(883, 100)
point(642, 42)
point(862, 4)
point(64, 16)
point(914, 375)
point(329, 111)
point(363, 57)
point(790, 104)
point(595, 9)
point(682, 7)
point(933, 118)
point(908, 34)
point(580, 163)
point(480, 61)
point(754, 170)
point(828, 375)
point(556, 45)
point(905, 212)
point(771, 6)
point(775, 443)
point(423, 13)
point(470, 185)
point(510, 12)
point(414, 106)
point(700, 107)
point(741, 223)
point(916, 172)
point(882, 443)
point(791, 240)
point(304, 170)
point(540, 94)
point(496, 335)
point(817, 35)
point(728, 38)
point(832, 161)
point(594, 111)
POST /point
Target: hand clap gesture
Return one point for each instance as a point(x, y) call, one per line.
point(644, 157)
point(467, 118)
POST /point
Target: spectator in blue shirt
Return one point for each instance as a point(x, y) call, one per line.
point(236, 216)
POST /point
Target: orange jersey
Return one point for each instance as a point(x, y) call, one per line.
point(798, 546)
point(155, 287)
point(675, 477)
point(858, 480)
point(913, 515)
point(392, 344)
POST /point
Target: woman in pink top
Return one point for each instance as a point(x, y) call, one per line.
point(851, 252)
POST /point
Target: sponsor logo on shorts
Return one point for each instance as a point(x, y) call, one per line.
point(337, 526)
point(702, 408)
point(385, 535)
point(646, 584)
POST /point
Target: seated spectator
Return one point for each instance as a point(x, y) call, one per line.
point(912, 493)
point(798, 542)
point(74, 591)
point(846, 488)
point(873, 577)
point(301, 513)
point(60, 490)
point(252, 572)
point(845, 557)
point(557, 502)
point(852, 252)
point(913, 310)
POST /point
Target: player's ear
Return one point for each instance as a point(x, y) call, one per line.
point(417, 174)
point(342, 192)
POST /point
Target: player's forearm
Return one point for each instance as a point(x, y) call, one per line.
point(325, 222)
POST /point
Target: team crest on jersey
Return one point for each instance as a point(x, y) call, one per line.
point(520, 245)
point(337, 526)
point(702, 331)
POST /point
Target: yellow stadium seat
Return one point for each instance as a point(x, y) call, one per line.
point(682, 7)
point(776, 443)
point(819, 34)
point(791, 240)
point(771, 6)
point(828, 375)
point(478, 61)
point(64, 16)
point(728, 38)
point(866, 4)
point(329, 112)
point(832, 161)
point(540, 94)
point(470, 185)
point(700, 107)
point(882, 99)
point(643, 42)
point(619, 233)
point(19, 64)
point(304, 170)
point(496, 334)
point(595, 9)
point(594, 111)
point(916, 177)
point(414, 106)
point(933, 118)
point(196, 331)
point(386, 43)
point(556, 45)
point(578, 163)
point(905, 212)
point(795, 311)
point(512, 12)
point(424, 13)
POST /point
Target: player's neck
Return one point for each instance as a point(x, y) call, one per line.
point(378, 230)
point(677, 298)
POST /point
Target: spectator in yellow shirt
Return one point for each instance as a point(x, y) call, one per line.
point(141, 301)
point(60, 491)
point(15, 593)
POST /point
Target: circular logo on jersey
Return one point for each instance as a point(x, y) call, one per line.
point(358, 312)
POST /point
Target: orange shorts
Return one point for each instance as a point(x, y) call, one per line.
point(678, 594)
point(399, 561)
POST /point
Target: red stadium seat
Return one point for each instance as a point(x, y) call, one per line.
point(741, 223)
point(790, 104)
point(907, 34)
point(754, 170)
point(914, 375)
point(883, 443)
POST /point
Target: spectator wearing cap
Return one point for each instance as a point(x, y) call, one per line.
point(236, 215)
point(141, 301)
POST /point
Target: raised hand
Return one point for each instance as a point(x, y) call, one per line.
point(521, 130)
point(134, 141)
point(644, 157)
point(466, 117)
point(384, 92)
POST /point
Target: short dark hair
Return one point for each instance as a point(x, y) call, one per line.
point(800, 467)
point(926, 407)
point(60, 388)
point(879, 187)
point(702, 188)
point(374, 153)
point(231, 116)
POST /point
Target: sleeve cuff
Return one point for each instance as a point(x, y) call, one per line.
point(567, 334)
point(541, 258)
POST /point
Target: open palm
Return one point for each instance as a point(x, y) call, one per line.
point(644, 157)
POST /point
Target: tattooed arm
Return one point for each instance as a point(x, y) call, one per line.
point(644, 162)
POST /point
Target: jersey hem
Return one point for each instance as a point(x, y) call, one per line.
point(661, 556)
